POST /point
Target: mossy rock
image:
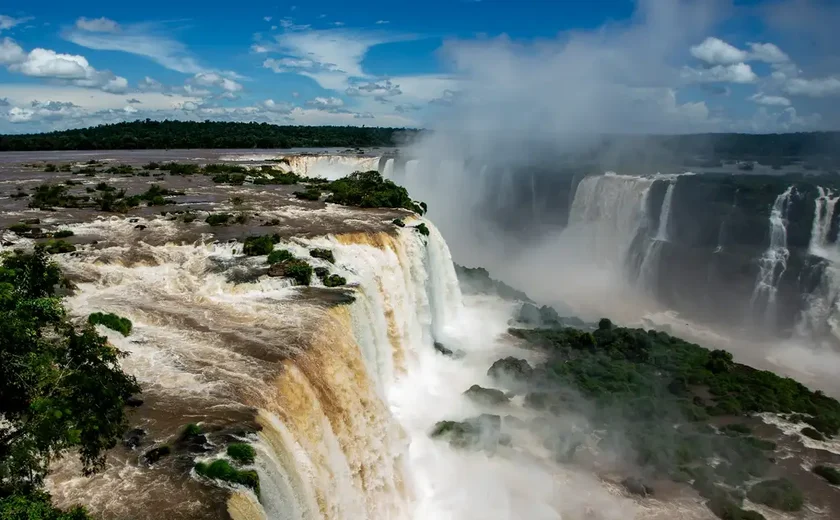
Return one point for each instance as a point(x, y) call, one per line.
point(832, 475)
point(812, 433)
point(242, 452)
point(112, 321)
point(323, 254)
point(278, 256)
point(221, 469)
point(258, 246)
point(779, 494)
point(487, 396)
point(481, 432)
point(298, 270)
point(154, 455)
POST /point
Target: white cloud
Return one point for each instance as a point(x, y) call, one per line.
point(212, 79)
point(737, 73)
point(767, 52)
point(717, 52)
point(267, 18)
point(150, 84)
point(325, 103)
point(143, 40)
point(97, 25)
point(26, 94)
point(7, 22)
point(259, 49)
point(10, 52)
point(817, 88)
point(128, 109)
point(382, 22)
point(375, 89)
point(764, 99)
point(272, 106)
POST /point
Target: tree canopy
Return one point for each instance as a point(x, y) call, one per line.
point(61, 386)
point(150, 134)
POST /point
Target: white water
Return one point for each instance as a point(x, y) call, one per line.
point(773, 263)
point(649, 267)
point(388, 170)
point(330, 167)
point(665, 214)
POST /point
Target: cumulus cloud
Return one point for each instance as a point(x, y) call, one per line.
point(737, 73)
point(382, 22)
point(7, 22)
point(717, 52)
point(325, 103)
point(272, 106)
point(212, 79)
point(150, 84)
point(816, 88)
point(10, 52)
point(767, 52)
point(97, 25)
point(764, 99)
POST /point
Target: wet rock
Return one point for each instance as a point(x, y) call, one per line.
point(31, 221)
point(154, 455)
point(141, 227)
point(482, 432)
point(488, 396)
point(514, 422)
point(133, 401)
point(511, 367)
point(133, 438)
point(637, 487)
point(456, 354)
point(198, 443)
point(277, 270)
point(134, 220)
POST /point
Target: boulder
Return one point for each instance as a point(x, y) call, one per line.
point(487, 396)
point(454, 354)
point(133, 437)
point(637, 487)
point(511, 367)
point(154, 455)
point(133, 401)
point(481, 432)
point(277, 270)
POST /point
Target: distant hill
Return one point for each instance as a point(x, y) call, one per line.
point(150, 134)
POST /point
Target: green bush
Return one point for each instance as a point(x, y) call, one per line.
point(180, 169)
point(322, 272)
point(422, 229)
point(218, 219)
point(55, 247)
point(279, 255)
point(241, 452)
point(63, 233)
point(334, 280)
point(49, 167)
point(310, 194)
point(151, 166)
point(299, 271)
point(779, 494)
point(20, 228)
point(323, 254)
point(828, 473)
point(398, 222)
point(221, 469)
point(112, 321)
point(259, 245)
point(368, 190)
point(37, 506)
point(191, 430)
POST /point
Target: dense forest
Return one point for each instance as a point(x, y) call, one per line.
point(150, 134)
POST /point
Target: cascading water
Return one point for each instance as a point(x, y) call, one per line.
point(330, 167)
point(650, 261)
point(773, 262)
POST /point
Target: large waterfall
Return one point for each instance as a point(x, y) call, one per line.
point(821, 313)
point(329, 167)
point(773, 263)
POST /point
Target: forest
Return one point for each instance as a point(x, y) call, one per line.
point(150, 134)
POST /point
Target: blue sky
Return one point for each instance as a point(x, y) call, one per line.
point(618, 65)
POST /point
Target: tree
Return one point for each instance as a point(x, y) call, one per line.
point(61, 386)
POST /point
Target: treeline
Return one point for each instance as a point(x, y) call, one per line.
point(150, 134)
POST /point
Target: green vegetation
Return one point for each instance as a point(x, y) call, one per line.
point(632, 383)
point(422, 229)
point(63, 233)
point(218, 219)
point(180, 168)
point(259, 245)
point(779, 494)
point(323, 254)
point(55, 247)
point(221, 469)
point(241, 452)
point(334, 280)
point(61, 387)
point(268, 175)
point(278, 256)
point(828, 473)
point(368, 190)
point(191, 430)
point(398, 222)
point(20, 228)
point(112, 321)
point(311, 194)
point(298, 270)
point(49, 167)
point(186, 134)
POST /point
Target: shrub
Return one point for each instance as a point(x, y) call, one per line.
point(188, 217)
point(334, 280)
point(63, 233)
point(398, 222)
point(240, 218)
point(279, 255)
point(20, 228)
point(422, 229)
point(828, 473)
point(218, 219)
point(180, 169)
point(191, 430)
point(55, 247)
point(257, 246)
point(151, 166)
point(221, 469)
point(309, 194)
point(369, 190)
point(241, 452)
point(112, 321)
point(323, 254)
point(49, 167)
point(779, 494)
point(299, 271)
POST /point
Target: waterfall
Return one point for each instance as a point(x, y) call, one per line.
point(665, 213)
point(330, 167)
point(316, 378)
point(649, 266)
point(388, 170)
point(610, 211)
point(773, 262)
point(821, 312)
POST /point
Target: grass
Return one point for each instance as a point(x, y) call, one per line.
point(112, 321)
